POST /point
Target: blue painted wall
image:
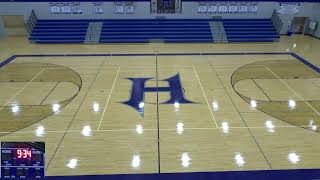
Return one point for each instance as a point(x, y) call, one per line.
point(142, 11)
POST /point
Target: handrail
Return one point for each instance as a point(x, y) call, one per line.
point(276, 21)
point(31, 22)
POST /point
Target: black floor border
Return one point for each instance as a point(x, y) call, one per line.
point(296, 56)
point(158, 121)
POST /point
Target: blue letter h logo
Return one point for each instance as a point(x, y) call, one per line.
point(138, 89)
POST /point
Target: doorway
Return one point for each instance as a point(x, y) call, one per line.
point(298, 25)
point(14, 25)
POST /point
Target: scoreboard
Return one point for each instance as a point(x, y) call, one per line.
point(22, 159)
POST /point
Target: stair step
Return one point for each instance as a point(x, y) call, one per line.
point(93, 32)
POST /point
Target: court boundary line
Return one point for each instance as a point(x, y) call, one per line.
point(294, 55)
point(205, 97)
point(263, 174)
point(243, 120)
point(165, 129)
point(73, 118)
point(150, 67)
point(107, 103)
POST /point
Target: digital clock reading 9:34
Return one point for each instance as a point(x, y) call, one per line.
point(23, 153)
point(22, 160)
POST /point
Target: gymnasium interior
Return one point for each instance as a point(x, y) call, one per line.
point(160, 89)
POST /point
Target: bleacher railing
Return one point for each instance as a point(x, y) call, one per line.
point(31, 22)
point(276, 21)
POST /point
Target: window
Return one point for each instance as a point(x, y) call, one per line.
point(97, 8)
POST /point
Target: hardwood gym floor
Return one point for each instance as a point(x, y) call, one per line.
point(120, 109)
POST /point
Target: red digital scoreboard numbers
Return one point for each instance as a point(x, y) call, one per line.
point(23, 153)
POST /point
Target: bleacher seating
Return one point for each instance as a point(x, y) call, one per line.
point(153, 30)
point(164, 30)
point(250, 30)
point(59, 31)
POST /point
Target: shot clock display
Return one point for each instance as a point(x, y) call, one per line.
point(22, 159)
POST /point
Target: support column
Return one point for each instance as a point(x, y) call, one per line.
point(2, 29)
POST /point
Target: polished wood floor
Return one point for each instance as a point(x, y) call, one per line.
point(249, 112)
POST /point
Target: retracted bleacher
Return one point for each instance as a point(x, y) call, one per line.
point(164, 30)
point(153, 30)
point(250, 30)
point(59, 31)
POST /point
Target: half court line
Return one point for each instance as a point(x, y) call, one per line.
point(158, 117)
point(106, 106)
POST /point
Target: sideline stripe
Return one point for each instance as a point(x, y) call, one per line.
point(160, 54)
point(107, 103)
point(296, 174)
point(205, 97)
point(296, 56)
point(306, 62)
point(5, 62)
